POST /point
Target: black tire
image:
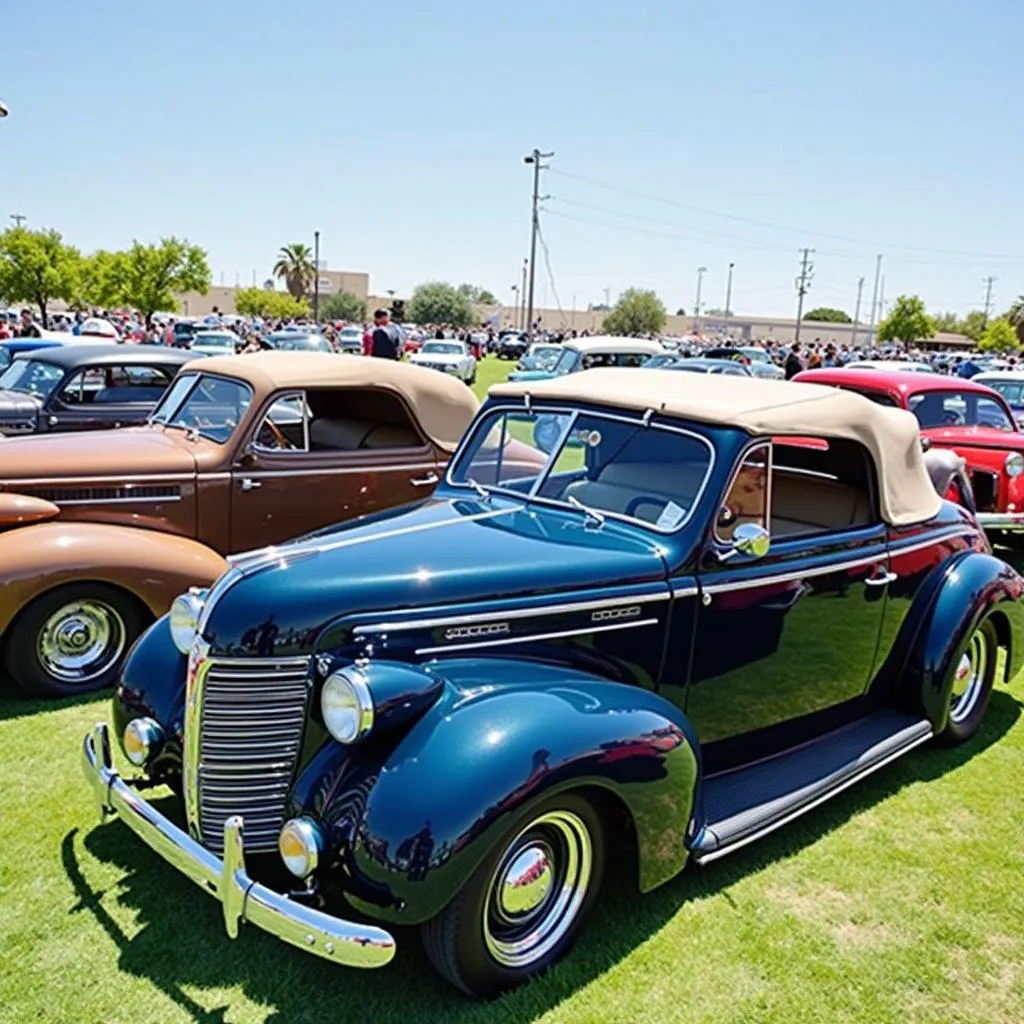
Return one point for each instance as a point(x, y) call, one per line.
point(101, 619)
point(466, 943)
point(972, 676)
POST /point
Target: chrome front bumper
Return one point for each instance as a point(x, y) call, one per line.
point(241, 898)
point(1011, 521)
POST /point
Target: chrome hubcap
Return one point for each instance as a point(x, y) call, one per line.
point(81, 641)
point(969, 680)
point(538, 889)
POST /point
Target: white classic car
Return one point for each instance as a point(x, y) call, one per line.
point(449, 356)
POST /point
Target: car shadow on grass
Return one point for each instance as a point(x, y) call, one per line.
point(180, 945)
point(15, 703)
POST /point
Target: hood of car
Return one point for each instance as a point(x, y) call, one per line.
point(976, 437)
point(148, 451)
point(441, 553)
point(436, 357)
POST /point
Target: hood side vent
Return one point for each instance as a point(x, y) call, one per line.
point(89, 495)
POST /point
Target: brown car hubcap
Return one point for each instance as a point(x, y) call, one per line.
point(81, 640)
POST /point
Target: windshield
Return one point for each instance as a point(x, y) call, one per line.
point(352, 332)
point(444, 348)
point(590, 462)
point(665, 359)
point(214, 340)
point(756, 355)
point(959, 409)
point(212, 406)
point(5, 357)
point(31, 376)
point(1011, 390)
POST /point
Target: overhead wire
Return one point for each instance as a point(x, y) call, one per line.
point(551, 276)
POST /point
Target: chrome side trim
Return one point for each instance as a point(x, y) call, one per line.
point(950, 533)
point(515, 613)
point(816, 802)
point(1013, 521)
point(57, 480)
point(337, 470)
point(533, 637)
point(801, 574)
point(60, 502)
point(242, 899)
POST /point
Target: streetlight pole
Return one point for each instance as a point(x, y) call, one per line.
point(316, 279)
point(534, 158)
point(728, 295)
point(515, 305)
point(521, 312)
point(701, 271)
point(856, 312)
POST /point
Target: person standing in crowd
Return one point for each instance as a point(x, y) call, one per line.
point(29, 328)
point(794, 364)
point(387, 338)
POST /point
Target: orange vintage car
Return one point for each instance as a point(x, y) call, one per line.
point(99, 532)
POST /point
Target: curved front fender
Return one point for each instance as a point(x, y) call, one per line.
point(154, 566)
point(504, 736)
point(971, 587)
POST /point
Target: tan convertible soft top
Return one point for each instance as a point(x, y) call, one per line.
point(443, 405)
point(765, 408)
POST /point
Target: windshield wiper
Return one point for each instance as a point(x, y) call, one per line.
point(591, 512)
point(482, 492)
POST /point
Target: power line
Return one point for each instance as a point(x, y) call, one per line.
point(783, 227)
point(551, 276)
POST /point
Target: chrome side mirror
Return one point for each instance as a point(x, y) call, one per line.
point(750, 540)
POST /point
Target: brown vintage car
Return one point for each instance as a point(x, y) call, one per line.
point(100, 532)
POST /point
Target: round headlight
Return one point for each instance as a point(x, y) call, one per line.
point(347, 706)
point(1014, 464)
point(300, 844)
point(142, 740)
point(184, 620)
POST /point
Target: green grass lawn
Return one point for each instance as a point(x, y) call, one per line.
point(899, 900)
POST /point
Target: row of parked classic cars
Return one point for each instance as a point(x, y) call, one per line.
point(466, 660)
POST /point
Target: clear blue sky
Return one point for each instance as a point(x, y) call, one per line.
point(398, 129)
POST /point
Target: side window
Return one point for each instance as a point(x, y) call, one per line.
point(880, 398)
point(820, 486)
point(565, 363)
point(748, 498)
point(82, 387)
point(360, 419)
point(283, 427)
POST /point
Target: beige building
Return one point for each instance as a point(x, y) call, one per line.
point(222, 298)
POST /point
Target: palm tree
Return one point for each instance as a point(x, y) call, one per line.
point(1016, 317)
point(295, 267)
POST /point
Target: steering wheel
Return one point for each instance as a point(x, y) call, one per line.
point(951, 419)
point(282, 441)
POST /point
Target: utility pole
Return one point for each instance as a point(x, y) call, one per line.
point(701, 271)
point(803, 286)
point(521, 312)
point(881, 300)
point(874, 300)
point(856, 313)
point(989, 281)
point(534, 158)
point(18, 218)
point(316, 278)
point(728, 295)
point(515, 305)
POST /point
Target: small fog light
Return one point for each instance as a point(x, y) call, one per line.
point(300, 844)
point(142, 741)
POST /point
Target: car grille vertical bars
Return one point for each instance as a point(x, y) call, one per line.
point(250, 715)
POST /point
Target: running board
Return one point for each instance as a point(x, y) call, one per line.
point(746, 803)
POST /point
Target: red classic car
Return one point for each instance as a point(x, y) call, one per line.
point(969, 418)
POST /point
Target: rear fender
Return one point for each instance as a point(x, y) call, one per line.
point(503, 736)
point(153, 566)
point(971, 587)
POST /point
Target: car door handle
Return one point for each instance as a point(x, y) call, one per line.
point(882, 579)
point(248, 484)
point(424, 481)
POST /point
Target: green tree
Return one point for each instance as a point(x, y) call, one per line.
point(947, 322)
point(478, 296)
point(100, 279)
point(37, 267)
point(270, 305)
point(295, 267)
point(343, 306)
point(1015, 315)
point(973, 325)
point(636, 312)
point(829, 315)
point(152, 274)
point(437, 302)
point(907, 322)
point(999, 336)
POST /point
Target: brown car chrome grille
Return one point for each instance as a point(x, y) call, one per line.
point(251, 722)
point(144, 492)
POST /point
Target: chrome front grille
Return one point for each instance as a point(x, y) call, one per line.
point(251, 718)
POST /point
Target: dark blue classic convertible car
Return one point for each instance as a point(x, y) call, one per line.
point(716, 603)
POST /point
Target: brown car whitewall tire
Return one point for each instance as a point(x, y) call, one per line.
point(72, 640)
